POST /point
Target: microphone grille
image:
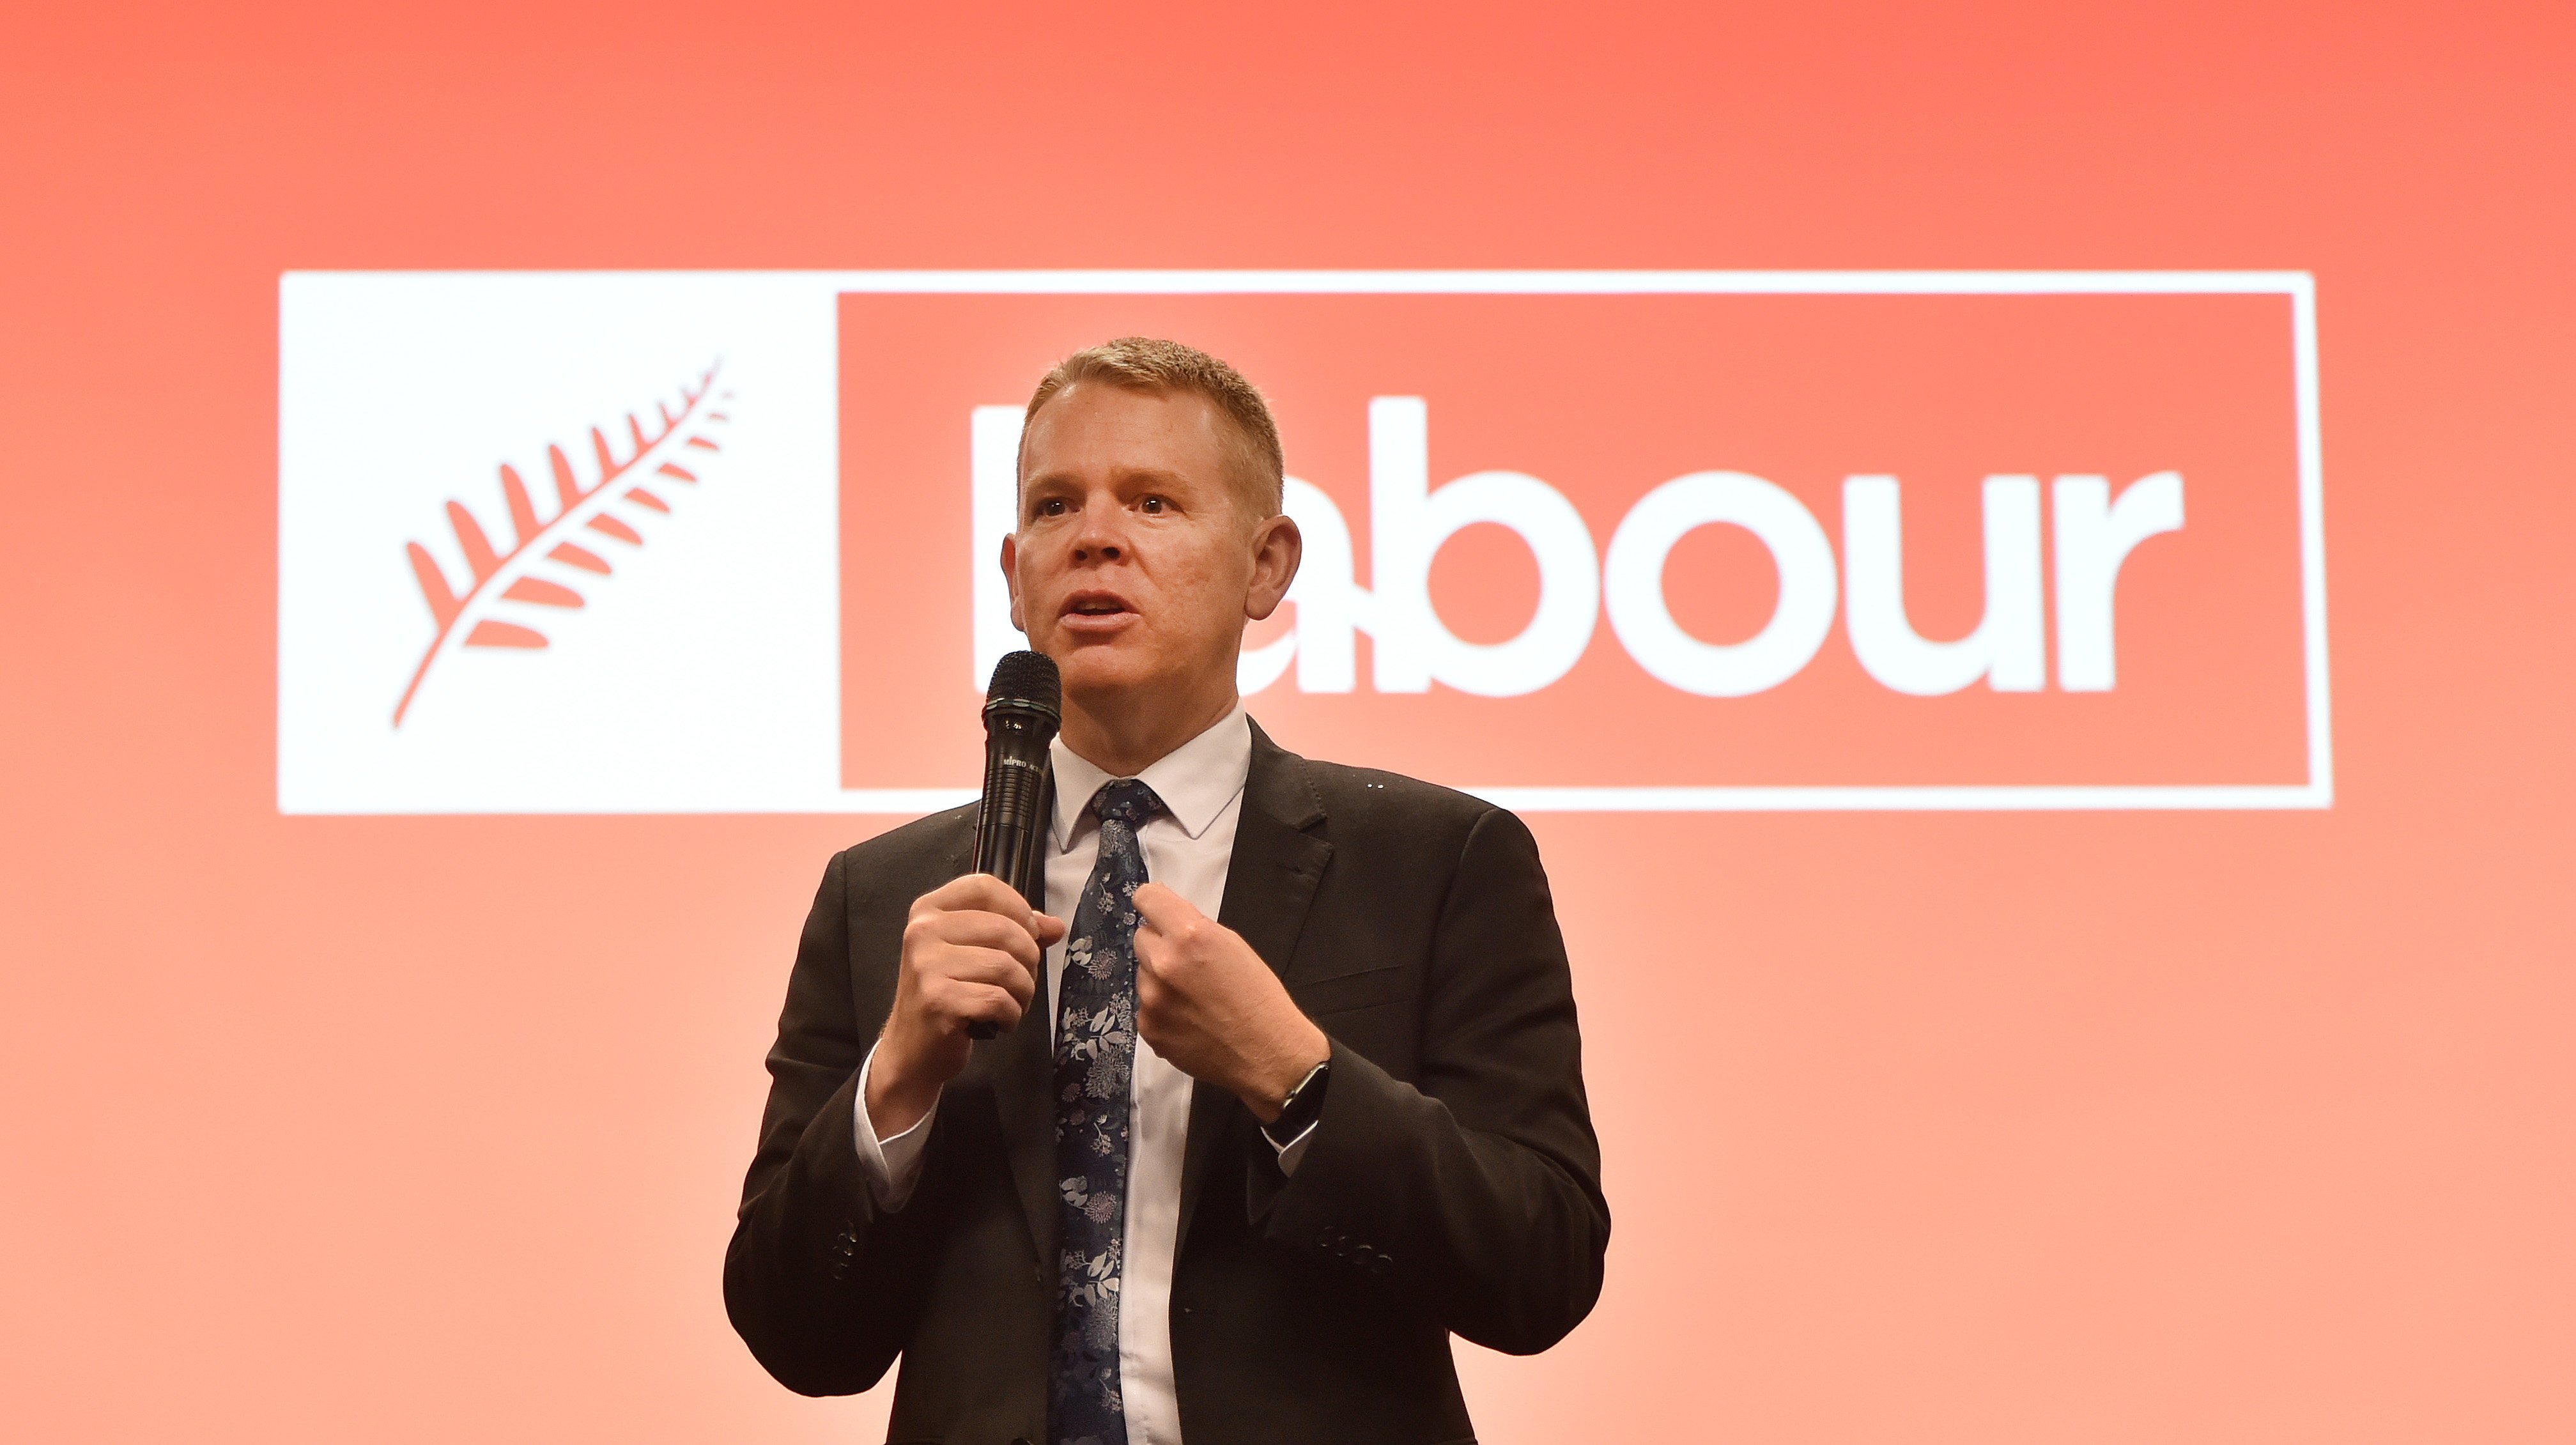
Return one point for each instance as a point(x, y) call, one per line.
point(1027, 677)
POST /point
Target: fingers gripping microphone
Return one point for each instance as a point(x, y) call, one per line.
point(1021, 712)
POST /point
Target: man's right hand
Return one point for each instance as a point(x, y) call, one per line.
point(971, 951)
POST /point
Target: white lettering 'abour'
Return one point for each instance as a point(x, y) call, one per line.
point(1410, 519)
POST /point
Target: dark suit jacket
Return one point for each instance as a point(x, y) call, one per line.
point(1452, 1184)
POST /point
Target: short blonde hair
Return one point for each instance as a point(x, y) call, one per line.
point(1145, 363)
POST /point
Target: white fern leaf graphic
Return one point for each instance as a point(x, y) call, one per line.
point(551, 559)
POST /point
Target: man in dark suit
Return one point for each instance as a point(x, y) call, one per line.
point(1229, 1179)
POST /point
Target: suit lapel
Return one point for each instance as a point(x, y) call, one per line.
point(1269, 884)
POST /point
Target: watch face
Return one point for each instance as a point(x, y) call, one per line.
point(1304, 1104)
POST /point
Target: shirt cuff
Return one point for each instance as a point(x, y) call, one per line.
point(1294, 1149)
point(893, 1165)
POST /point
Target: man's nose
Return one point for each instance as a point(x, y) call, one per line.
point(1102, 535)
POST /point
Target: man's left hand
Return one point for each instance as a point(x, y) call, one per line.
point(1209, 1005)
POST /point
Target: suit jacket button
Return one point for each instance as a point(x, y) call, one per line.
point(1382, 1264)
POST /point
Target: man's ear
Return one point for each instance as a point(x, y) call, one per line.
point(1011, 576)
point(1277, 548)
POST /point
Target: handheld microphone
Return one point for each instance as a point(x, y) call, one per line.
point(1022, 710)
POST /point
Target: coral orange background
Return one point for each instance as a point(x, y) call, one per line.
point(1933, 1128)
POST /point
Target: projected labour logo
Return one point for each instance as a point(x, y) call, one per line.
point(1577, 590)
point(1574, 540)
point(1670, 543)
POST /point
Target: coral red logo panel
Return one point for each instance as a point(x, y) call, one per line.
point(1737, 542)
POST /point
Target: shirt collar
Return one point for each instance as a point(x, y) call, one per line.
point(1195, 780)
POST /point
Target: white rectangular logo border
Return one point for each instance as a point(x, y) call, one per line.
point(2299, 286)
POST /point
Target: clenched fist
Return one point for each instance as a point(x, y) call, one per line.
point(1207, 1003)
point(971, 950)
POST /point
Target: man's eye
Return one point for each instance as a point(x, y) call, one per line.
point(1153, 504)
point(1051, 507)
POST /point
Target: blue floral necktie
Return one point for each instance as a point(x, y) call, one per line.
point(1095, 1056)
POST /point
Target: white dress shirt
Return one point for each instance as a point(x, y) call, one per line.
point(1188, 847)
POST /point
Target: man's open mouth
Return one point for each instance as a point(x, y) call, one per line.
point(1096, 607)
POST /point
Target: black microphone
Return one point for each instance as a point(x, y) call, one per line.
point(1022, 710)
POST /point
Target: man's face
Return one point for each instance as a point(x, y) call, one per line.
point(1134, 563)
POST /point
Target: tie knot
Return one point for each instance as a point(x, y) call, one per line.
point(1125, 800)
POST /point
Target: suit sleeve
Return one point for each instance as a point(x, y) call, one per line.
point(817, 1280)
point(1480, 1183)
